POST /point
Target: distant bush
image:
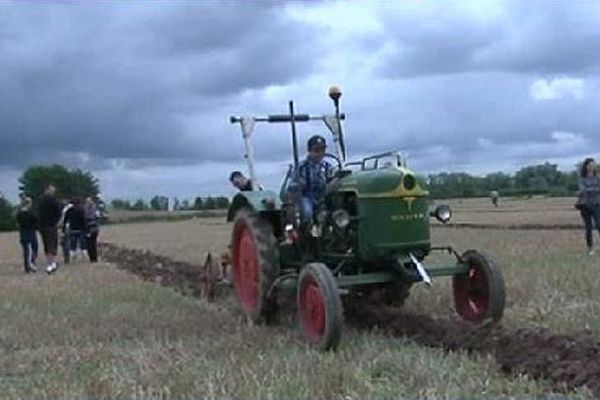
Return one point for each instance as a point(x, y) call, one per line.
point(7, 216)
point(558, 191)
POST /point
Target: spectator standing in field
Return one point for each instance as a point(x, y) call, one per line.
point(74, 218)
point(588, 200)
point(27, 234)
point(92, 227)
point(49, 213)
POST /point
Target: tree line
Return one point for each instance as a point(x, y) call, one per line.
point(69, 183)
point(159, 203)
point(545, 179)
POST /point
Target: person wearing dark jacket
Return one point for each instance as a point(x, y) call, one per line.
point(588, 200)
point(49, 213)
point(75, 220)
point(27, 234)
point(92, 223)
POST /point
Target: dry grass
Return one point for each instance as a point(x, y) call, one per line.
point(537, 210)
point(94, 332)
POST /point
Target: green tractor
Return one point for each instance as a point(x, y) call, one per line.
point(369, 237)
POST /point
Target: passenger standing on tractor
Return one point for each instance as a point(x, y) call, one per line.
point(588, 201)
point(27, 234)
point(309, 184)
point(49, 213)
point(242, 183)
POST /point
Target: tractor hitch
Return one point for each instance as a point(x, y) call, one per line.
point(420, 269)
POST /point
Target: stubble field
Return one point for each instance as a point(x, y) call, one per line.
point(101, 332)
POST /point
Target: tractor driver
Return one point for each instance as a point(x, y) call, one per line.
point(309, 184)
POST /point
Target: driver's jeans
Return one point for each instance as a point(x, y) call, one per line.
point(307, 207)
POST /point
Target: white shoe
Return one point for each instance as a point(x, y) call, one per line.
point(51, 268)
point(32, 267)
point(590, 252)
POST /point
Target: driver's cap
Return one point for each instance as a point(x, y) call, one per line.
point(316, 141)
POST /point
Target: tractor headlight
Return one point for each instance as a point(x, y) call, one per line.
point(409, 182)
point(442, 213)
point(269, 203)
point(322, 217)
point(341, 218)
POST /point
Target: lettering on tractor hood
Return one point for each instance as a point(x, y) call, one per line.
point(408, 217)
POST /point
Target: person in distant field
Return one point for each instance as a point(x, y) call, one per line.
point(309, 184)
point(242, 183)
point(588, 200)
point(74, 218)
point(494, 196)
point(92, 228)
point(27, 221)
point(49, 213)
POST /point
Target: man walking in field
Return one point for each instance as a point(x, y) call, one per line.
point(92, 228)
point(27, 233)
point(49, 213)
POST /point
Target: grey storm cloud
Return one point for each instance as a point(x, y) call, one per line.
point(133, 89)
point(118, 80)
point(522, 37)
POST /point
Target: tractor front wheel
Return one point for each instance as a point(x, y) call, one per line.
point(479, 293)
point(320, 309)
point(255, 260)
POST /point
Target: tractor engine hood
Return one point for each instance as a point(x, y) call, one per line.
point(382, 183)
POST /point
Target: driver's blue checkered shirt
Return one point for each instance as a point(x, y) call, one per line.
point(311, 179)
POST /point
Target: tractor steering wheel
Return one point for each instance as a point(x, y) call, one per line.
point(337, 160)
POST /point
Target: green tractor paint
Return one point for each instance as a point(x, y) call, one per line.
point(369, 239)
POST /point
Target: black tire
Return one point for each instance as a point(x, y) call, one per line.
point(320, 311)
point(479, 294)
point(254, 275)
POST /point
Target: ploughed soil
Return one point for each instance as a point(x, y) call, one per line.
point(519, 227)
point(568, 361)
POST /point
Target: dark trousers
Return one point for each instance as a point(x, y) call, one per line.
point(591, 217)
point(91, 242)
point(29, 244)
point(77, 239)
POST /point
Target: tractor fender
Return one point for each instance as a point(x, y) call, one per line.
point(257, 201)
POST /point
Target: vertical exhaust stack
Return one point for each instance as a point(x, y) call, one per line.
point(335, 93)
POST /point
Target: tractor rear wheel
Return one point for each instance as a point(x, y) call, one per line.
point(255, 259)
point(320, 311)
point(479, 293)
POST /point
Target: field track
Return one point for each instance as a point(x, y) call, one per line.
point(568, 361)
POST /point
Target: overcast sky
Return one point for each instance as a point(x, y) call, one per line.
point(140, 92)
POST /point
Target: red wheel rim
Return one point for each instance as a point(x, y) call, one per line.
point(312, 310)
point(245, 270)
point(471, 293)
